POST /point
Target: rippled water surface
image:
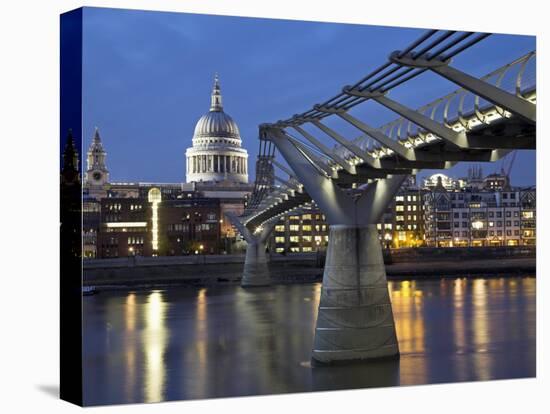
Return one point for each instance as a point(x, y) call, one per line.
point(186, 343)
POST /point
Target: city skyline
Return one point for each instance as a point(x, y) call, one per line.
point(148, 58)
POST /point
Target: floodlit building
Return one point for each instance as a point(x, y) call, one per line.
point(152, 225)
point(474, 218)
point(216, 154)
point(96, 177)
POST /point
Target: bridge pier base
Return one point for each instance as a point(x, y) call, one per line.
point(256, 272)
point(355, 319)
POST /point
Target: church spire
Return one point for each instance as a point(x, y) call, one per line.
point(216, 102)
point(97, 139)
point(69, 170)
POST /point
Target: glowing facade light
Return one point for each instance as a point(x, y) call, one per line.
point(121, 224)
point(155, 198)
point(477, 225)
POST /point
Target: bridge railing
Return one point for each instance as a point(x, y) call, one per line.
point(461, 109)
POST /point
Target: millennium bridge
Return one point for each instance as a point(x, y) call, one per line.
point(353, 180)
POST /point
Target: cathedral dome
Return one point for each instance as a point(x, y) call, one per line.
point(216, 154)
point(216, 124)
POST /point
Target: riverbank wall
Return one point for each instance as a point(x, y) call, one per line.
point(305, 267)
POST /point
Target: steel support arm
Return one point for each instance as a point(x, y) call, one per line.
point(325, 150)
point(357, 151)
point(313, 159)
point(245, 232)
point(377, 196)
point(282, 168)
point(327, 195)
point(491, 93)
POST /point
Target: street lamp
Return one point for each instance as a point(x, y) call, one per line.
point(201, 248)
point(317, 253)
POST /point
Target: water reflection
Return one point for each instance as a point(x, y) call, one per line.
point(155, 337)
point(183, 343)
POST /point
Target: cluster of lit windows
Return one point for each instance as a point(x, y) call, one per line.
point(135, 240)
point(124, 230)
point(114, 207)
point(204, 227)
point(178, 227)
point(90, 207)
point(528, 214)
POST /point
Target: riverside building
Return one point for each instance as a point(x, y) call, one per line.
point(151, 218)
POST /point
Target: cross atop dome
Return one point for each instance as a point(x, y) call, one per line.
point(216, 101)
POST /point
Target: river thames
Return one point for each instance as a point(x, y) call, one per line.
point(184, 343)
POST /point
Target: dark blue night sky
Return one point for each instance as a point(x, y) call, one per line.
point(148, 76)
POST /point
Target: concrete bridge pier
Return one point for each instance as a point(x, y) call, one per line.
point(355, 319)
point(256, 271)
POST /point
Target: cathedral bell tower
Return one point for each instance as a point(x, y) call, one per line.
point(97, 174)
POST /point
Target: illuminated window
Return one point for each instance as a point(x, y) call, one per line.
point(399, 208)
point(280, 228)
point(279, 239)
point(306, 238)
point(306, 227)
point(528, 214)
point(294, 227)
point(477, 225)
point(294, 239)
